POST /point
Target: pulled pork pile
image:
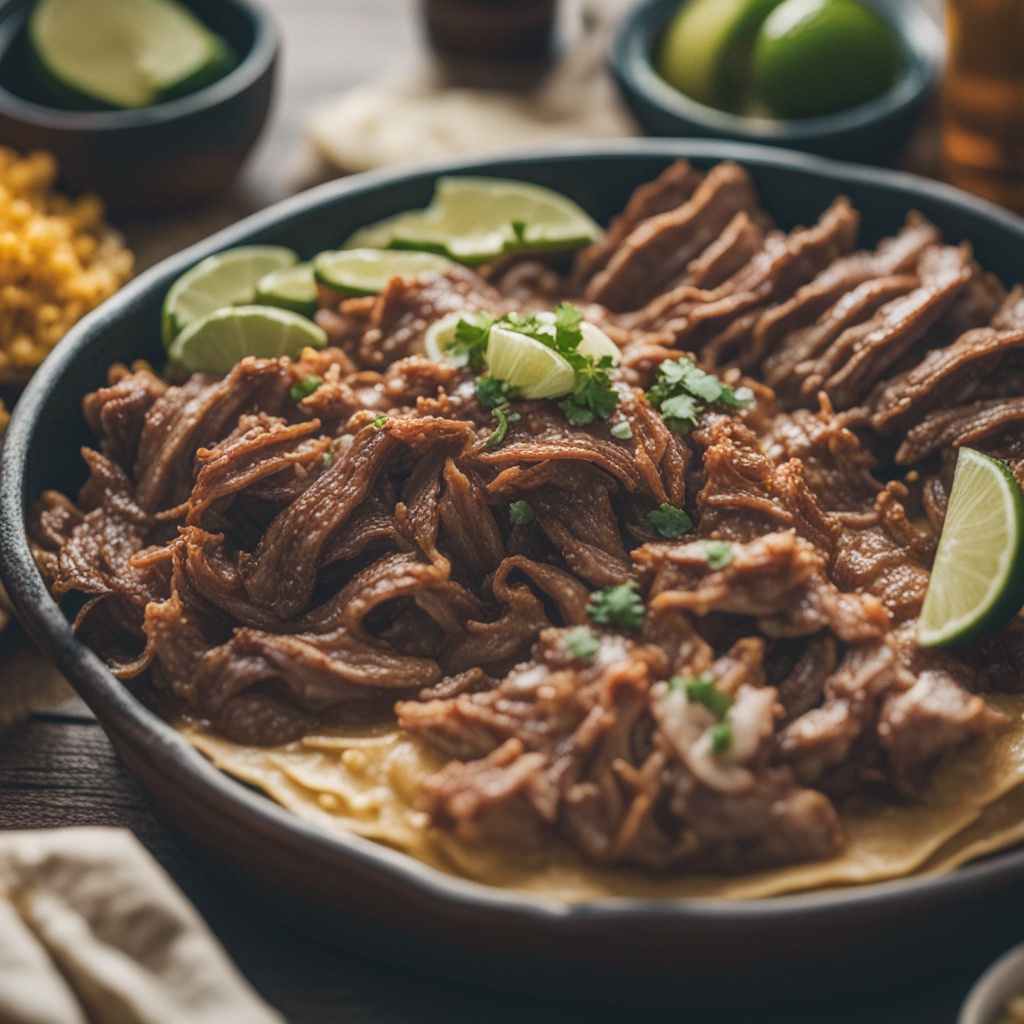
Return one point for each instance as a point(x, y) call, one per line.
point(279, 561)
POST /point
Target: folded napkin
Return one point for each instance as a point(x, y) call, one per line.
point(92, 931)
point(420, 117)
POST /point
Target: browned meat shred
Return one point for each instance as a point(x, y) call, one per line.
point(269, 565)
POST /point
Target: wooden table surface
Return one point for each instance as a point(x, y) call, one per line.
point(57, 767)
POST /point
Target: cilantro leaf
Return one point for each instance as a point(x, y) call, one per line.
point(703, 689)
point(581, 642)
point(305, 387)
point(380, 421)
point(719, 553)
point(669, 521)
point(493, 392)
point(682, 391)
point(521, 513)
point(618, 606)
point(721, 737)
point(470, 345)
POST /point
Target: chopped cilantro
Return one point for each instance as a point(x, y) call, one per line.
point(470, 345)
point(305, 387)
point(669, 521)
point(622, 430)
point(495, 394)
point(328, 458)
point(719, 553)
point(704, 690)
point(519, 230)
point(581, 642)
point(721, 737)
point(682, 391)
point(380, 421)
point(521, 513)
point(618, 606)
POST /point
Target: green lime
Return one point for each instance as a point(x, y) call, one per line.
point(535, 370)
point(705, 49)
point(473, 220)
point(291, 288)
point(126, 54)
point(439, 337)
point(367, 271)
point(222, 339)
point(227, 278)
point(816, 57)
point(977, 582)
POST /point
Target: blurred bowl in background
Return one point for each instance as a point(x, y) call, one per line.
point(153, 158)
point(986, 1002)
point(872, 132)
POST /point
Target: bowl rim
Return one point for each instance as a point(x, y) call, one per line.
point(247, 73)
point(920, 38)
point(988, 995)
point(124, 717)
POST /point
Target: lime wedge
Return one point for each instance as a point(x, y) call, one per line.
point(473, 220)
point(816, 57)
point(704, 50)
point(225, 279)
point(597, 344)
point(220, 340)
point(535, 370)
point(977, 582)
point(126, 54)
point(440, 335)
point(292, 288)
point(367, 271)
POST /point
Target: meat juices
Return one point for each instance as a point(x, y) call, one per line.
point(273, 566)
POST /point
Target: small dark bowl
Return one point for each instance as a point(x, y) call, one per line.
point(871, 132)
point(685, 955)
point(158, 157)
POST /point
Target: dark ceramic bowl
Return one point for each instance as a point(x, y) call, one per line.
point(383, 903)
point(872, 132)
point(159, 157)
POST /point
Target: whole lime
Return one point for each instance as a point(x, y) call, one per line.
point(814, 57)
point(705, 50)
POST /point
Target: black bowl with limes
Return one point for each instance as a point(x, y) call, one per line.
point(870, 132)
point(179, 151)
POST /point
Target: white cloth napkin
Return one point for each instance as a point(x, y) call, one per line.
point(92, 931)
point(419, 117)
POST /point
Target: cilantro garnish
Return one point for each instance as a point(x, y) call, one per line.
point(622, 430)
point(305, 387)
point(495, 394)
point(521, 513)
point(581, 642)
point(328, 458)
point(682, 391)
point(380, 421)
point(470, 345)
point(719, 553)
point(669, 521)
point(618, 606)
point(592, 397)
point(721, 737)
point(704, 690)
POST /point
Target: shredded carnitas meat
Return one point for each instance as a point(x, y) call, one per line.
point(276, 565)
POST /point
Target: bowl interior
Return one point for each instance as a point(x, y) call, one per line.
point(235, 21)
point(40, 452)
point(919, 38)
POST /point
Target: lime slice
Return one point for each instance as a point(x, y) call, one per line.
point(440, 335)
point(535, 370)
point(473, 220)
point(977, 582)
point(292, 288)
point(816, 57)
point(597, 344)
point(220, 340)
point(227, 278)
point(367, 271)
point(126, 54)
point(706, 47)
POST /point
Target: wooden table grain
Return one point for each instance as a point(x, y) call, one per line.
point(57, 767)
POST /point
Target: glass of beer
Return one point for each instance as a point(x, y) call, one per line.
point(983, 99)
